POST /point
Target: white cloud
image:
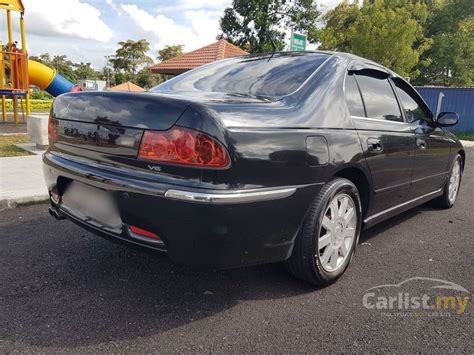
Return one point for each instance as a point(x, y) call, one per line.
point(69, 18)
point(78, 28)
point(327, 5)
point(113, 5)
point(182, 5)
point(201, 29)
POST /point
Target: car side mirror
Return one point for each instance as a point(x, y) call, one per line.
point(447, 119)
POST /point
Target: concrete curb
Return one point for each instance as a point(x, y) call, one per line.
point(9, 203)
point(21, 181)
point(468, 144)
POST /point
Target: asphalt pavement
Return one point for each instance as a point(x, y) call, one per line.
point(63, 289)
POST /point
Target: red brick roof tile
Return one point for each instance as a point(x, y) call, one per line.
point(128, 86)
point(215, 51)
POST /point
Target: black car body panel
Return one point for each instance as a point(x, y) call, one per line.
point(282, 150)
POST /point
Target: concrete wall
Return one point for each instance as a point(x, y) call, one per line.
point(37, 127)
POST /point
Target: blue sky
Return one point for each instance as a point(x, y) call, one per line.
point(87, 30)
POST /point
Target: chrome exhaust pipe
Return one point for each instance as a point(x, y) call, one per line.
point(56, 213)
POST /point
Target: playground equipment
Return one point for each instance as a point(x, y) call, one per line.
point(47, 79)
point(17, 72)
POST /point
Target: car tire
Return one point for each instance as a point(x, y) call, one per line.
point(451, 187)
point(327, 222)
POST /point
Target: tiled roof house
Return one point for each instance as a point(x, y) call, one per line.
point(128, 86)
point(215, 51)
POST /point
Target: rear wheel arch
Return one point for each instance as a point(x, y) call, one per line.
point(462, 153)
point(360, 179)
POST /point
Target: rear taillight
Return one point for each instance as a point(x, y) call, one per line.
point(52, 128)
point(183, 146)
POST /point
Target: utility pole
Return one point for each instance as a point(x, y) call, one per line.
point(107, 60)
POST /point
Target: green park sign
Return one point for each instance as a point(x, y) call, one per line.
point(298, 42)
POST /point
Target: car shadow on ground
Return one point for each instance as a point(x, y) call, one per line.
point(76, 289)
point(392, 222)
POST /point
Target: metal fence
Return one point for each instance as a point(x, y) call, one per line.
point(460, 100)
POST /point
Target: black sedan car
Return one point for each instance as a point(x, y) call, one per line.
point(251, 160)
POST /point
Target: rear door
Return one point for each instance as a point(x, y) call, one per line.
point(432, 146)
point(387, 140)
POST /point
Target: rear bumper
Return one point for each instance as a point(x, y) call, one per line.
point(213, 228)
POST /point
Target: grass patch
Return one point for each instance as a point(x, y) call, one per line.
point(8, 148)
point(465, 136)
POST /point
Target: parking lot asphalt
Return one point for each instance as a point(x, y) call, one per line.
point(63, 289)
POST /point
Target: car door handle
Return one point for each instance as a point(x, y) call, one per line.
point(421, 143)
point(375, 145)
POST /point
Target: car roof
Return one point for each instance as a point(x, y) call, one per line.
point(356, 61)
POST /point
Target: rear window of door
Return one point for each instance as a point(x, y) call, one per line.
point(379, 98)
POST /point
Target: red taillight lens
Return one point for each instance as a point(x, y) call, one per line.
point(52, 126)
point(144, 233)
point(183, 146)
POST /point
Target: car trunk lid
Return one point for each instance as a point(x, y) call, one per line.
point(111, 123)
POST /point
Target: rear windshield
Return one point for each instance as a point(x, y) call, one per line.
point(269, 76)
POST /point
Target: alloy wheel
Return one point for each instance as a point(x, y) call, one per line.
point(337, 232)
point(454, 180)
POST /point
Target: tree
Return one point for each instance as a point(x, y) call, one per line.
point(251, 24)
point(84, 71)
point(169, 52)
point(450, 60)
point(390, 32)
point(334, 35)
point(131, 56)
point(120, 77)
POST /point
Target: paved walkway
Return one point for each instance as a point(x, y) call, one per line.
point(21, 181)
point(468, 144)
point(11, 128)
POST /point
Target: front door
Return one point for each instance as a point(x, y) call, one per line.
point(432, 145)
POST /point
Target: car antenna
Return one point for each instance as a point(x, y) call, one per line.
point(274, 47)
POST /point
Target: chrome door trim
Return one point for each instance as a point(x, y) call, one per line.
point(401, 205)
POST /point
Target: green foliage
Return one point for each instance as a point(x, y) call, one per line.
point(41, 105)
point(333, 36)
point(465, 136)
point(431, 42)
point(58, 62)
point(70, 70)
point(250, 24)
point(120, 77)
point(169, 52)
point(130, 56)
point(40, 95)
point(450, 60)
point(36, 105)
point(390, 33)
point(146, 79)
point(84, 71)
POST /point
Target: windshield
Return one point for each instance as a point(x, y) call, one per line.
point(269, 76)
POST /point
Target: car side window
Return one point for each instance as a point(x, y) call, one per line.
point(353, 98)
point(378, 95)
point(414, 108)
